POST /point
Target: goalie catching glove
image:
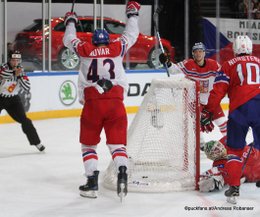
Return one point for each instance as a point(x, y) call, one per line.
point(70, 17)
point(132, 8)
point(206, 121)
point(211, 180)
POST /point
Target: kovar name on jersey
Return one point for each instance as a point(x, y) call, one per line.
point(100, 51)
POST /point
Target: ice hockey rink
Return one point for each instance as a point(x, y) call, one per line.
point(34, 184)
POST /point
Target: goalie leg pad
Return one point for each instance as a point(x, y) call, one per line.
point(211, 180)
point(207, 185)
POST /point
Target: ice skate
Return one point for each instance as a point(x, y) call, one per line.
point(257, 184)
point(232, 193)
point(122, 182)
point(40, 147)
point(90, 189)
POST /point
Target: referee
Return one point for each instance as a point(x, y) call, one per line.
point(12, 79)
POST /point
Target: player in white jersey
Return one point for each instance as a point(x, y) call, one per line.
point(102, 84)
point(12, 80)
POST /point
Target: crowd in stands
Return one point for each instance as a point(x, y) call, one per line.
point(248, 9)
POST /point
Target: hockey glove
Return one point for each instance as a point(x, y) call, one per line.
point(165, 59)
point(70, 17)
point(105, 84)
point(132, 8)
point(206, 121)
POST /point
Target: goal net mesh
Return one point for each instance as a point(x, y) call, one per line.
point(163, 140)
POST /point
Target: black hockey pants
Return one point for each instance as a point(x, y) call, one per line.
point(14, 107)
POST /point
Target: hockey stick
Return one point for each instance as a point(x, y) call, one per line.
point(233, 199)
point(72, 10)
point(155, 16)
point(72, 7)
point(248, 154)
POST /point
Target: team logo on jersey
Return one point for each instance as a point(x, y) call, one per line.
point(68, 93)
point(204, 86)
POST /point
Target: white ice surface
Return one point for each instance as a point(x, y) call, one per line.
point(34, 184)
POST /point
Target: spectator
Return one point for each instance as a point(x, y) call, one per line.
point(257, 11)
point(9, 47)
point(245, 8)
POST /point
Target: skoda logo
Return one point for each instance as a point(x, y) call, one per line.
point(68, 93)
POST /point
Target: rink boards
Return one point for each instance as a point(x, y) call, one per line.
point(55, 95)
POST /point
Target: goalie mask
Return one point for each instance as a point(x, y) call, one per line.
point(215, 150)
point(100, 36)
point(242, 45)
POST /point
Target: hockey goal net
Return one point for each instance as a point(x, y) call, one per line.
point(163, 139)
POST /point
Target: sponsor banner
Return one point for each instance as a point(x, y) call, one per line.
point(55, 94)
point(58, 91)
point(229, 29)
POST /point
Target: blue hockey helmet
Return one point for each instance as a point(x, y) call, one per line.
point(100, 36)
point(198, 46)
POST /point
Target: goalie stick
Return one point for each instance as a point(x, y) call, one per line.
point(155, 16)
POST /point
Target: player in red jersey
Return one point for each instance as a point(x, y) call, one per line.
point(240, 79)
point(102, 84)
point(203, 70)
point(216, 177)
